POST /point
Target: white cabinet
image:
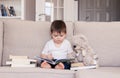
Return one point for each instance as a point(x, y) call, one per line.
point(49, 10)
point(23, 9)
point(58, 9)
point(10, 8)
point(69, 10)
point(41, 10)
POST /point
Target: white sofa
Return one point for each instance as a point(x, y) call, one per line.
point(28, 38)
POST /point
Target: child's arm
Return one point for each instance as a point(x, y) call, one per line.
point(43, 56)
point(45, 53)
point(47, 56)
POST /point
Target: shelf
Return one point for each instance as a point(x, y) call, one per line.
point(17, 17)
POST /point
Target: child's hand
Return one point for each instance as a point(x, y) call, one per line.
point(49, 56)
point(43, 56)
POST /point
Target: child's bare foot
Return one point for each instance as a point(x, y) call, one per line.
point(59, 66)
point(45, 65)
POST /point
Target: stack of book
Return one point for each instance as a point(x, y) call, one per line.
point(7, 11)
point(21, 61)
point(78, 66)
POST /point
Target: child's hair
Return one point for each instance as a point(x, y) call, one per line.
point(58, 26)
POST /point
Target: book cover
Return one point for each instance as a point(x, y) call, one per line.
point(23, 65)
point(12, 11)
point(21, 61)
point(7, 11)
point(17, 57)
point(53, 62)
point(3, 10)
point(0, 13)
point(78, 64)
point(83, 67)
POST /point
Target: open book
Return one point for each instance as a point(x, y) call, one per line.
point(53, 62)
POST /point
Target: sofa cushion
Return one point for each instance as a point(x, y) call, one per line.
point(103, 72)
point(27, 37)
point(6, 72)
point(1, 40)
point(104, 38)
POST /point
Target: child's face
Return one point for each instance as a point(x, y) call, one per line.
point(58, 37)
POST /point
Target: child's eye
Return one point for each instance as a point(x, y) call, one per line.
point(55, 35)
point(61, 35)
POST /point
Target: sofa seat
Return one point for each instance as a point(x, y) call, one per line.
point(102, 72)
point(21, 72)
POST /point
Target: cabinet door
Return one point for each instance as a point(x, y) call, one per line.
point(95, 10)
point(69, 10)
point(40, 10)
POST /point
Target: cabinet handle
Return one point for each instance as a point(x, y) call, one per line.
point(87, 17)
point(42, 14)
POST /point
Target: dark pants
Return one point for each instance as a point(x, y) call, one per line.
point(67, 65)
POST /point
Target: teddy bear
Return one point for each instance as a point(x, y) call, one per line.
point(83, 53)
